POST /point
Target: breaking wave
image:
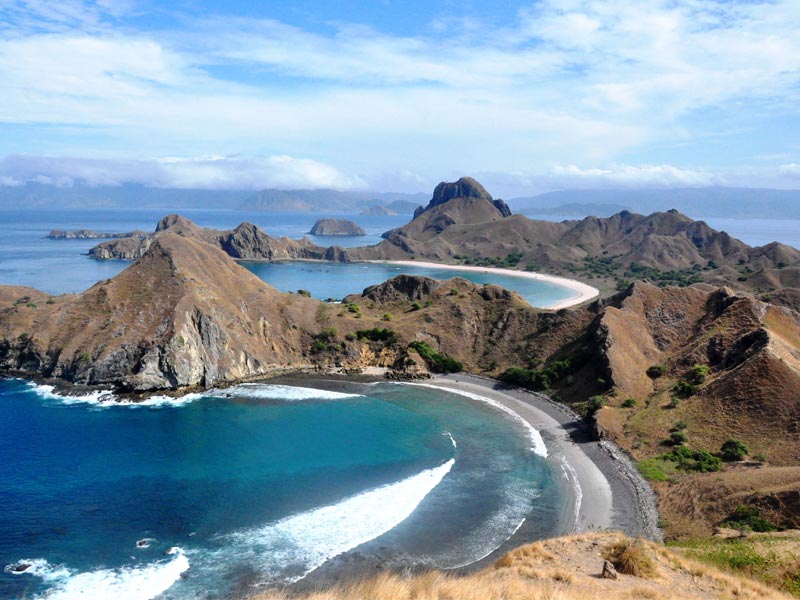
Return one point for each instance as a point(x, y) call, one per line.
point(126, 583)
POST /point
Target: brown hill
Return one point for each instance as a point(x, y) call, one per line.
point(185, 314)
point(567, 568)
point(463, 224)
point(245, 241)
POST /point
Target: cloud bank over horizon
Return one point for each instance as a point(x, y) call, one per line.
point(526, 97)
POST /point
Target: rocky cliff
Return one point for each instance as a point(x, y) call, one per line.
point(243, 242)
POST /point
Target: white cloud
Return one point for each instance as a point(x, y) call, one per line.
point(790, 170)
point(635, 176)
point(580, 81)
point(205, 172)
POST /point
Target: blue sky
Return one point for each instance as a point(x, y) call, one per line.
point(387, 95)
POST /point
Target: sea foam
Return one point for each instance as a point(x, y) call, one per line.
point(126, 583)
point(301, 543)
point(537, 442)
point(288, 393)
point(107, 398)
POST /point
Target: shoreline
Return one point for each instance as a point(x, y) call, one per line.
point(582, 291)
point(610, 492)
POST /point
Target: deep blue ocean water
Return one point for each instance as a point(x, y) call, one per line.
point(257, 483)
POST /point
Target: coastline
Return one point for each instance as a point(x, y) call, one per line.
point(582, 291)
point(610, 493)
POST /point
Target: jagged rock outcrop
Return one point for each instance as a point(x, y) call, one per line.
point(336, 227)
point(246, 241)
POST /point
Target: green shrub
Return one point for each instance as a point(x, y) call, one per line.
point(594, 404)
point(305, 293)
point(685, 389)
point(679, 426)
point(438, 363)
point(387, 317)
point(698, 374)
point(734, 450)
point(416, 306)
point(537, 379)
point(628, 403)
point(674, 402)
point(31, 305)
point(376, 334)
point(656, 371)
point(353, 308)
point(748, 518)
point(318, 346)
point(693, 460)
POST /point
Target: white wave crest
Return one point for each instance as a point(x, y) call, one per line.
point(571, 475)
point(452, 440)
point(107, 399)
point(141, 583)
point(268, 391)
point(537, 442)
point(301, 543)
point(48, 392)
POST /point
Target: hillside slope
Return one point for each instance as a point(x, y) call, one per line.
point(566, 568)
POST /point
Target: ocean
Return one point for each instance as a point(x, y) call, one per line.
point(259, 483)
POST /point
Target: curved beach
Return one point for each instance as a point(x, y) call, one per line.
point(581, 291)
point(604, 487)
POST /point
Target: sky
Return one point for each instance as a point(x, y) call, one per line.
point(396, 96)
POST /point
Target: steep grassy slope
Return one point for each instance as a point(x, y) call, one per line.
point(562, 569)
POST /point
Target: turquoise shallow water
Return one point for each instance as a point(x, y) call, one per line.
point(336, 280)
point(252, 484)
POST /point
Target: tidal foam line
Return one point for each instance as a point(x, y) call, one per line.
point(537, 442)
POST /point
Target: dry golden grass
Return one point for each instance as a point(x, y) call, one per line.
point(558, 569)
point(631, 557)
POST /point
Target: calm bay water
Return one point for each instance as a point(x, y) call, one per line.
point(256, 483)
point(61, 266)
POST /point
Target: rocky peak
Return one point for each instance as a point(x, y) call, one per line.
point(466, 187)
point(402, 287)
point(177, 224)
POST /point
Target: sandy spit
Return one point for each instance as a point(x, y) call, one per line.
point(582, 292)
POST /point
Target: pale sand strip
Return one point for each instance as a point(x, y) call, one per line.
point(583, 292)
point(592, 492)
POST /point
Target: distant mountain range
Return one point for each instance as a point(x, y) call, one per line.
point(331, 201)
point(695, 202)
point(36, 195)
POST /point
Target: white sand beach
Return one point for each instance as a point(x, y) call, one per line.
point(582, 291)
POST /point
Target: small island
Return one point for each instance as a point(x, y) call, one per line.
point(88, 234)
point(336, 227)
